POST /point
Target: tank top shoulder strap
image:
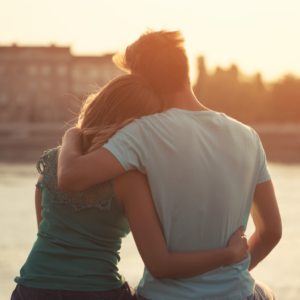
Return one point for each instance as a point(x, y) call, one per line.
point(98, 196)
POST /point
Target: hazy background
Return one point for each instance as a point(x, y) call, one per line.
point(259, 36)
point(244, 60)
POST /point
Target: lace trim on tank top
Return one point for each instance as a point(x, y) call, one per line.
point(98, 196)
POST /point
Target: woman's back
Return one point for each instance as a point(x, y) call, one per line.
point(79, 237)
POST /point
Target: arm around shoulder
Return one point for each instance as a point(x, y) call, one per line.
point(76, 172)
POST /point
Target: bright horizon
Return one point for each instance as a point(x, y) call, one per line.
point(256, 36)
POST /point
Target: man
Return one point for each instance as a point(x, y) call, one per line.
point(204, 170)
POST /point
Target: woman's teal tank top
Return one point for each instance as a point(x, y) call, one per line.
point(79, 238)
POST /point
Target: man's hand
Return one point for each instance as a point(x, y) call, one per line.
point(72, 133)
point(238, 245)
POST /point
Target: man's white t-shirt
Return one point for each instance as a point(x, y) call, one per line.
point(202, 168)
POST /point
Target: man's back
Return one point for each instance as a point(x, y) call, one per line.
point(203, 168)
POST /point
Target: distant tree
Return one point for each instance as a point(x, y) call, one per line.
point(248, 100)
point(284, 102)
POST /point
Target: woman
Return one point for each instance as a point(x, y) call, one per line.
point(77, 250)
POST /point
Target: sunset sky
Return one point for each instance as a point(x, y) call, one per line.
point(257, 35)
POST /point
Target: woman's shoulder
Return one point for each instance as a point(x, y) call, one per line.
point(97, 196)
point(47, 160)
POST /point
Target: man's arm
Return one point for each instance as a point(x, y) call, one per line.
point(76, 172)
point(267, 221)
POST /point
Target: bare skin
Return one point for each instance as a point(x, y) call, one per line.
point(184, 99)
point(38, 203)
point(267, 221)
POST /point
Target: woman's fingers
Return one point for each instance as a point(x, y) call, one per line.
point(241, 229)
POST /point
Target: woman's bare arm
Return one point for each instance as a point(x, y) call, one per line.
point(267, 221)
point(38, 203)
point(133, 192)
point(76, 172)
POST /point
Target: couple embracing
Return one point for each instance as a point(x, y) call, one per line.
point(148, 157)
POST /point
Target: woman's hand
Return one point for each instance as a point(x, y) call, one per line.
point(238, 245)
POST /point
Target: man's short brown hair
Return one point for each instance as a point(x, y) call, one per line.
point(160, 57)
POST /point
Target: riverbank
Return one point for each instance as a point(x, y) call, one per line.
point(25, 142)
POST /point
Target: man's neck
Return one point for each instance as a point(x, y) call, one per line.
point(185, 100)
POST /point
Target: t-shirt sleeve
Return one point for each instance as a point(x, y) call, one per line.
point(130, 146)
point(264, 174)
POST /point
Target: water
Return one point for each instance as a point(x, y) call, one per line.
point(280, 270)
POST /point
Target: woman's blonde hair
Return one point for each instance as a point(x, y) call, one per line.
point(122, 100)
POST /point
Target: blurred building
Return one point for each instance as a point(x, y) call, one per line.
point(48, 83)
